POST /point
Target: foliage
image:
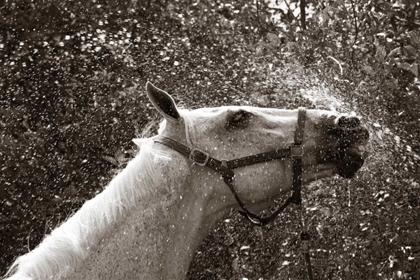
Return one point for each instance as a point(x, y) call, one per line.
point(368, 48)
point(72, 98)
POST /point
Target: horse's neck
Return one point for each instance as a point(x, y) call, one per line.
point(156, 240)
point(141, 246)
point(145, 225)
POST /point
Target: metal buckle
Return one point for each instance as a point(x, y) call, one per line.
point(296, 151)
point(197, 156)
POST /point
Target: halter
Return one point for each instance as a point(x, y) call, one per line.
point(226, 168)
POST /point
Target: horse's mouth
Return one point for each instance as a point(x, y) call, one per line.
point(349, 160)
point(349, 153)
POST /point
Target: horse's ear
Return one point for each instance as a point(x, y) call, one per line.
point(163, 102)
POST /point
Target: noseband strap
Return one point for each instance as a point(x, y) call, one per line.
point(226, 168)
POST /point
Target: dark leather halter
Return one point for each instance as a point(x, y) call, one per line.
point(226, 168)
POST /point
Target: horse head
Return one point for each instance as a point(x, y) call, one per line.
point(332, 143)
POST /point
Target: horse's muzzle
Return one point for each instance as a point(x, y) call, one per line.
point(349, 153)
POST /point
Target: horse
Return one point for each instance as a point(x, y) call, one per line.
point(149, 220)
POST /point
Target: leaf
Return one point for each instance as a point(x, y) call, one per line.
point(293, 47)
point(396, 51)
point(273, 39)
point(369, 70)
point(325, 13)
point(379, 134)
point(412, 68)
point(414, 38)
point(411, 51)
point(380, 53)
point(110, 160)
point(325, 211)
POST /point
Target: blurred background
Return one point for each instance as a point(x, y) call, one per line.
point(72, 98)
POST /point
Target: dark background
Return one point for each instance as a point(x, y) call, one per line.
point(72, 98)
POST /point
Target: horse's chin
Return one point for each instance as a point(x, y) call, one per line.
point(349, 161)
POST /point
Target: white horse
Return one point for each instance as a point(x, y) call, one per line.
point(152, 216)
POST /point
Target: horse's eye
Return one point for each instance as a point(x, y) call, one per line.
point(239, 119)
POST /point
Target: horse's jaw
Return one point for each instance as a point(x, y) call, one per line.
point(319, 172)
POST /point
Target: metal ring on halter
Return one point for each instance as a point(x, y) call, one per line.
point(199, 157)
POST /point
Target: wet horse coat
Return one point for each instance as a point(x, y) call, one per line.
point(152, 216)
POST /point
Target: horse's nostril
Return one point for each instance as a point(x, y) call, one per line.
point(346, 122)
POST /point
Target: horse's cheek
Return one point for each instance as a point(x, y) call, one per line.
point(270, 179)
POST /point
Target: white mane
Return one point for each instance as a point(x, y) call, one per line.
point(69, 244)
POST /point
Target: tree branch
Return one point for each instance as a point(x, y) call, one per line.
point(303, 14)
point(356, 28)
